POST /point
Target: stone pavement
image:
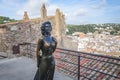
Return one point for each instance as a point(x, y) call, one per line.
point(22, 68)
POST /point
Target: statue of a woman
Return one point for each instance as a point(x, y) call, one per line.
point(45, 48)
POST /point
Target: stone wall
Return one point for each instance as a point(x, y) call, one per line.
point(28, 30)
point(3, 45)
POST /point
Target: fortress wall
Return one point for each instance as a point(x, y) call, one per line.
point(21, 32)
point(28, 30)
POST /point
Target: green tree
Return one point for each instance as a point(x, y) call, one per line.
point(4, 20)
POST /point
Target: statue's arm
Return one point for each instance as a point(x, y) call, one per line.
point(38, 52)
point(55, 40)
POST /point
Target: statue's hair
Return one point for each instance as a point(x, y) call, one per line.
point(46, 28)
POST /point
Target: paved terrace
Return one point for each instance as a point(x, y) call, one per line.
point(22, 68)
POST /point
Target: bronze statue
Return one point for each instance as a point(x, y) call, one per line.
point(45, 48)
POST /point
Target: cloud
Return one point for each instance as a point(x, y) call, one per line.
point(90, 12)
point(114, 8)
point(9, 3)
point(100, 4)
point(51, 9)
point(81, 12)
point(84, 11)
point(9, 7)
point(32, 7)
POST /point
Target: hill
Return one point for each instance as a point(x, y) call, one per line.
point(110, 28)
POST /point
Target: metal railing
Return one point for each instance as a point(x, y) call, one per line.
point(28, 49)
point(87, 62)
point(80, 65)
point(2, 57)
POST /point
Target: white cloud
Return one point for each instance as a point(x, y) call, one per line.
point(9, 7)
point(77, 14)
point(51, 9)
point(100, 4)
point(115, 8)
point(81, 12)
point(85, 13)
point(32, 7)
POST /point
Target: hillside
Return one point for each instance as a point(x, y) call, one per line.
point(109, 28)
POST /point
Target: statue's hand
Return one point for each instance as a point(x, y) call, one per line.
point(38, 61)
point(37, 65)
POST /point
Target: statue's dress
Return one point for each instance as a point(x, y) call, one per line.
point(47, 62)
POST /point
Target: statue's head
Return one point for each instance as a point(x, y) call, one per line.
point(46, 28)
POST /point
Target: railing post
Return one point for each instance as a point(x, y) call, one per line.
point(78, 66)
point(30, 51)
point(27, 51)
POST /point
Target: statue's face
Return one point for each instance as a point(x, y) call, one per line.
point(46, 28)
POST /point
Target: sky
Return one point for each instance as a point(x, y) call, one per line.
point(76, 11)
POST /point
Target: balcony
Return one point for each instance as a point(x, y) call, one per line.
point(74, 65)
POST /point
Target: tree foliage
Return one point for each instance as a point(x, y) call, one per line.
point(4, 20)
point(87, 28)
point(80, 28)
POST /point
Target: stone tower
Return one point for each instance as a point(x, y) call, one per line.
point(60, 25)
point(43, 11)
point(25, 17)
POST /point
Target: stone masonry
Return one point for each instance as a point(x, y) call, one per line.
point(28, 30)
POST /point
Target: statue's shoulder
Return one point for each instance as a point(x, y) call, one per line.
point(54, 39)
point(40, 39)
